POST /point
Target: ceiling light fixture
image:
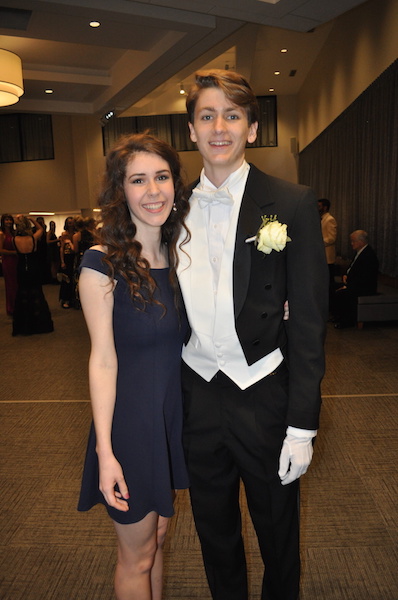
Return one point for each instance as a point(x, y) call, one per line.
point(41, 213)
point(277, 72)
point(11, 81)
point(95, 23)
point(107, 117)
point(182, 90)
point(49, 91)
point(283, 50)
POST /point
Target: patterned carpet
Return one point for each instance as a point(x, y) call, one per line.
point(349, 519)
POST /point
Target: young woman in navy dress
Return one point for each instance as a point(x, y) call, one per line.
point(137, 325)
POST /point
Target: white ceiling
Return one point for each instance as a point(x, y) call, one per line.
point(135, 62)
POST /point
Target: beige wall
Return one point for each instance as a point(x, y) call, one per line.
point(67, 183)
point(360, 46)
point(70, 182)
point(41, 185)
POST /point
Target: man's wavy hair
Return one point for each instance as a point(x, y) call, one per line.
point(235, 87)
point(116, 231)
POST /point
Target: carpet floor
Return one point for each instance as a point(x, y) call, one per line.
point(349, 508)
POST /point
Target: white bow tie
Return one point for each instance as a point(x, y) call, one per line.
point(221, 195)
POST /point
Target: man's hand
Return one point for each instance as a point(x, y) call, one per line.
point(296, 454)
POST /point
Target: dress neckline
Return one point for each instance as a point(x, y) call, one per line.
point(151, 269)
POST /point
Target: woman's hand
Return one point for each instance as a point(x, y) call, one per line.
point(111, 474)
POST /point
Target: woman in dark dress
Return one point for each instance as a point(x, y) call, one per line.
point(67, 259)
point(53, 246)
point(136, 321)
point(9, 261)
point(31, 313)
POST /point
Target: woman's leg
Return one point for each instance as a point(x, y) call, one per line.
point(157, 569)
point(139, 567)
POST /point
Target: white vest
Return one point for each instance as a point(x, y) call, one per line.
point(214, 344)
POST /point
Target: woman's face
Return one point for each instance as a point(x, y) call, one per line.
point(8, 222)
point(149, 190)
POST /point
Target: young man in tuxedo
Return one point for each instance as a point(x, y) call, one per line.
point(251, 379)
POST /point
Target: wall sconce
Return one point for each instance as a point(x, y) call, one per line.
point(11, 81)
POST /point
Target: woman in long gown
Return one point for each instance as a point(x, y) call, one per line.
point(136, 321)
point(53, 245)
point(9, 258)
point(67, 260)
point(31, 314)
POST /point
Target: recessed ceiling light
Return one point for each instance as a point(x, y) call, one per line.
point(277, 72)
point(49, 91)
point(284, 50)
point(271, 90)
point(95, 23)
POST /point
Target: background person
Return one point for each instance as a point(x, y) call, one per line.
point(53, 245)
point(360, 280)
point(329, 235)
point(9, 261)
point(42, 253)
point(134, 313)
point(67, 264)
point(31, 314)
point(251, 380)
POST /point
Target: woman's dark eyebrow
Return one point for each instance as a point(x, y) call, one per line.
point(143, 174)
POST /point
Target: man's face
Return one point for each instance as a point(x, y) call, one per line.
point(321, 208)
point(220, 130)
point(356, 244)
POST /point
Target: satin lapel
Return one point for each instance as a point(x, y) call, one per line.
point(256, 202)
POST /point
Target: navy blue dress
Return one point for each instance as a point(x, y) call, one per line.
point(147, 422)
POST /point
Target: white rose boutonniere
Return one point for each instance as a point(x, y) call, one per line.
point(272, 235)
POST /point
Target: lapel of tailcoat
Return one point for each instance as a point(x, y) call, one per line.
point(256, 202)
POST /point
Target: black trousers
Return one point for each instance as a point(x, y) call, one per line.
point(231, 436)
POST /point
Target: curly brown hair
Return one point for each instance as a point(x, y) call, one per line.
point(117, 231)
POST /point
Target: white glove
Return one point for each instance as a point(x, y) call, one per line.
point(296, 454)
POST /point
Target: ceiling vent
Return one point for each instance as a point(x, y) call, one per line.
point(292, 72)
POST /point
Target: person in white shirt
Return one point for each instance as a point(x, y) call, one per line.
point(329, 234)
point(251, 380)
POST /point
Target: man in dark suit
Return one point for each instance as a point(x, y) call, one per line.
point(251, 378)
point(360, 280)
